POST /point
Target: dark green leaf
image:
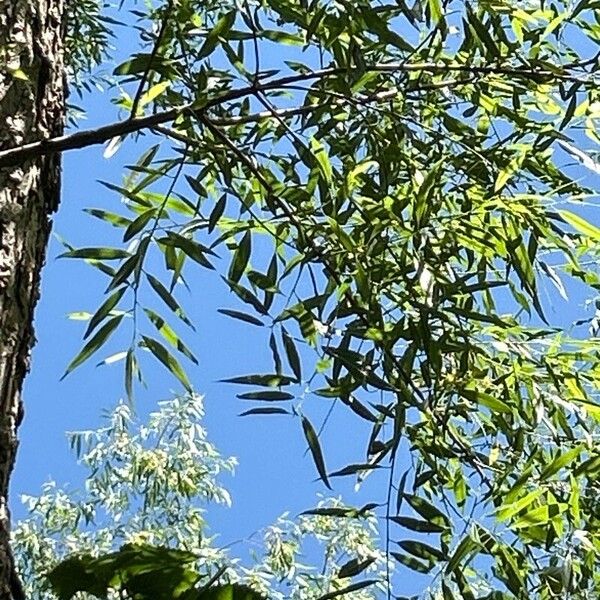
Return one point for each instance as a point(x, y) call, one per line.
point(240, 258)
point(315, 449)
point(168, 360)
point(241, 316)
point(96, 253)
point(266, 395)
point(94, 344)
point(292, 354)
point(104, 310)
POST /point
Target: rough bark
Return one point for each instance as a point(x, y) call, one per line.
point(31, 108)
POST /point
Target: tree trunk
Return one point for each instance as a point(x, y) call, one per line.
point(31, 108)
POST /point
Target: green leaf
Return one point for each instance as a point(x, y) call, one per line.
point(282, 37)
point(168, 299)
point(241, 257)
point(354, 567)
point(435, 10)
point(422, 550)
point(77, 574)
point(266, 395)
point(274, 380)
point(94, 344)
point(109, 217)
point(315, 449)
point(246, 296)
point(216, 213)
point(487, 400)
point(427, 510)
point(169, 334)
point(581, 225)
point(265, 410)
point(417, 525)
point(168, 360)
point(125, 270)
point(139, 224)
point(354, 587)
point(412, 563)
point(320, 153)
point(104, 310)
point(242, 316)
point(224, 24)
point(190, 247)
point(508, 511)
point(466, 546)
point(292, 354)
point(561, 461)
point(96, 253)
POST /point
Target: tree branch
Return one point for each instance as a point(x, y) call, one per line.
point(82, 139)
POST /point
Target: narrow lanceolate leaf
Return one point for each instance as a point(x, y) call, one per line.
point(246, 296)
point(168, 360)
point(334, 511)
point(581, 225)
point(427, 510)
point(223, 25)
point(190, 247)
point(417, 525)
point(216, 213)
point(242, 316)
point(169, 334)
point(267, 396)
point(277, 366)
point(94, 344)
point(435, 10)
point(274, 380)
point(139, 224)
point(560, 462)
point(124, 271)
point(466, 547)
point(354, 567)
point(412, 563)
point(508, 511)
point(241, 256)
point(320, 153)
point(292, 354)
point(104, 310)
point(109, 217)
point(354, 587)
point(131, 368)
point(315, 449)
point(168, 299)
point(96, 253)
point(487, 400)
point(265, 410)
point(422, 550)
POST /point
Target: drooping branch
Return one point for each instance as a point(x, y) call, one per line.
point(89, 137)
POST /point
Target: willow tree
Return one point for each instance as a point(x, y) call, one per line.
point(411, 170)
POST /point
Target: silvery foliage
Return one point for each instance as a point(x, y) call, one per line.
point(152, 482)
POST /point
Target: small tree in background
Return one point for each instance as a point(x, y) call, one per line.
point(151, 483)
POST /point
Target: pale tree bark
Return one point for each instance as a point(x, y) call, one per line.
point(31, 108)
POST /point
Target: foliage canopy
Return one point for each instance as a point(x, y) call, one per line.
point(394, 187)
